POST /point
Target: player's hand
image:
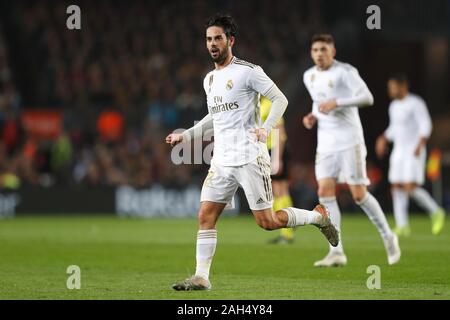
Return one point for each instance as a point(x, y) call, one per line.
point(174, 138)
point(309, 121)
point(418, 149)
point(381, 146)
point(261, 134)
point(328, 106)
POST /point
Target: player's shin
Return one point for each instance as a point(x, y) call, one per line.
point(423, 199)
point(373, 210)
point(206, 247)
point(400, 203)
point(300, 217)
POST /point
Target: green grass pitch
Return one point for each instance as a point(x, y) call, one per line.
point(140, 259)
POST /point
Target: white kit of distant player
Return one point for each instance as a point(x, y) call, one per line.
point(409, 121)
point(340, 129)
point(337, 91)
point(409, 128)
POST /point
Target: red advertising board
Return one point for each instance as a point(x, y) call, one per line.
point(42, 124)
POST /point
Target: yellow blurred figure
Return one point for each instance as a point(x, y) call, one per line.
point(276, 143)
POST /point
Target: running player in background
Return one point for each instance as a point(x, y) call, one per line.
point(277, 145)
point(337, 91)
point(409, 129)
point(240, 156)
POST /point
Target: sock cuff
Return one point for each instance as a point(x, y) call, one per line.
point(292, 220)
point(207, 234)
point(208, 231)
point(327, 199)
point(366, 197)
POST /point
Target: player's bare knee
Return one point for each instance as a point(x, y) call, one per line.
point(409, 187)
point(398, 187)
point(358, 196)
point(324, 192)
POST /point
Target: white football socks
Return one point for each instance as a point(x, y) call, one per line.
point(373, 210)
point(423, 199)
point(206, 247)
point(400, 201)
point(335, 216)
point(301, 217)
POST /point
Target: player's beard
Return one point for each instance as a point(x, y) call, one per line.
point(223, 55)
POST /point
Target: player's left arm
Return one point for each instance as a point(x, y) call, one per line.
point(261, 83)
point(360, 97)
point(423, 119)
point(279, 105)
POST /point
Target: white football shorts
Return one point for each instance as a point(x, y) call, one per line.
point(347, 166)
point(405, 167)
point(222, 182)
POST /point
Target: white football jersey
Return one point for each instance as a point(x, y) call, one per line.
point(341, 128)
point(233, 102)
point(408, 121)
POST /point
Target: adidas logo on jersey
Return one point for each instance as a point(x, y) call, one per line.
point(260, 200)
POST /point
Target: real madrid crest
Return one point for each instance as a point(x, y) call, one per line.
point(229, 85)
point(330, 84)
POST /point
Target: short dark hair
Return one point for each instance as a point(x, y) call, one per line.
point(400, 78)
point(322, 37)
point(224, 21)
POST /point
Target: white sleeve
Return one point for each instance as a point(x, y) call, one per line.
point(259, 81)
point(279, 105)
point(199, 129)
point(423, 119)
point(361, 95)
point(307, 89)
point(206, 80)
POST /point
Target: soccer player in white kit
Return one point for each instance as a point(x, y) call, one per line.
point(409, 129)
point(240, 156)
point(337, 91)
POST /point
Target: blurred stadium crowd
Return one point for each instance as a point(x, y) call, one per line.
point(132, 74)
point(128, 77)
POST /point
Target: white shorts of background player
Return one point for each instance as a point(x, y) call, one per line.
point(347, 166)
point(405, 167)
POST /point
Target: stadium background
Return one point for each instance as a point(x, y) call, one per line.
point(84, 113)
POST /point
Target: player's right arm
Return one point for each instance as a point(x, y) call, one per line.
point(192, 133)
point(199, 129)
point(381, 146)
point(309, 121)
point(382, 143)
